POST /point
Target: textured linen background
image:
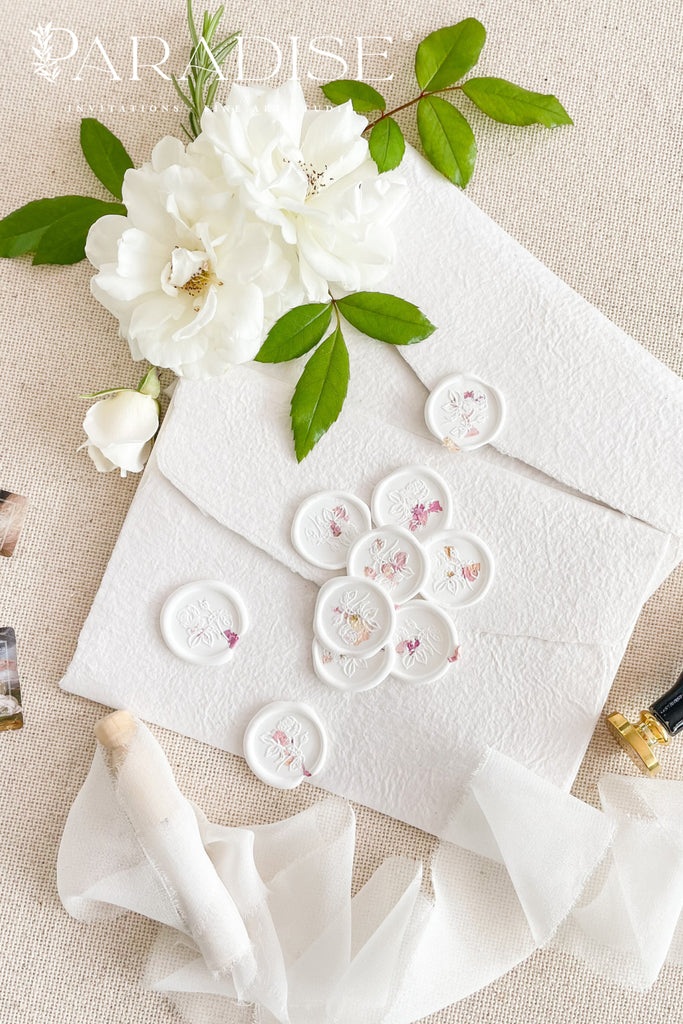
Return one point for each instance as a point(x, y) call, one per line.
point(600, 204)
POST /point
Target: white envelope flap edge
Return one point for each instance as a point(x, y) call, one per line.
point(586, 404)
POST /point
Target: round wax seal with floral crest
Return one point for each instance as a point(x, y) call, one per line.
point(415, 498)
point(460, 569)
point(326, 525)
point(284, 744)
point(344, 672)
point(425, 642)
point(464, 413)
point(391, 557)
point(353, 615)
point(202, 622)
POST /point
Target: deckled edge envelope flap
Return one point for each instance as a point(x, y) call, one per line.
point(566, 569)
point(587, 404)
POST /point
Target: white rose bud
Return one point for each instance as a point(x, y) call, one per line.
point(120, 429)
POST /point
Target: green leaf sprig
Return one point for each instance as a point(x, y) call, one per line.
point(55, 230)
point(441, 61)
point(206, 58)
point(320, 392)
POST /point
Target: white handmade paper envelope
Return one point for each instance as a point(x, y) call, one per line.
point(541, 647)
point(402, 750)
point(538, 654)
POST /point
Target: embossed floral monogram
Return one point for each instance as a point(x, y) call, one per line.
point(387, 563)
point(285, 745)
point(207, 626)
point(355, 618)
point(348, 664)
point(452, 573)
point(332, 527)
point(417, 644)
point(464, 412)
point(412, 505)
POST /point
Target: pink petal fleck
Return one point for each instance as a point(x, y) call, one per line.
point(231, 637)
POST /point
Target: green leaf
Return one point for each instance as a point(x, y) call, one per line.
point(176, 86)
point(106, 156)
point(385, 317)
point(295, 333)
point(447, 139)
point(511, 104)
point(387, 144)
point(191, 25)
point(319, 396)
point(22, 230)
point(363, 97)
point(448, 54)
point(64, 240)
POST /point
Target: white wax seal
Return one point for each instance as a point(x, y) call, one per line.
point(284, 744)
point(345, 672)
point(202, 622)
point(353, 616)
point(460, 569)
point(392, 557)
point(424, 641)
point(415, 498)
point(464, 412)
point(326, 525)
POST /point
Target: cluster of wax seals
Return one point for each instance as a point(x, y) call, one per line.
point(386, 616)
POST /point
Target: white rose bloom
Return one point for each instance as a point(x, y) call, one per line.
point(310, 175)
point(193, 280)
point(120, 429)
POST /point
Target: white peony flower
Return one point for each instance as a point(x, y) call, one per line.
point(120, 429)
point(270, 206)
point(310, 175)
point(191, 278)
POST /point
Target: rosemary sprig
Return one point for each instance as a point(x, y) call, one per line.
point(205, 58)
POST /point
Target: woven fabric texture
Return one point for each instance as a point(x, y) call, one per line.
point(600, 203)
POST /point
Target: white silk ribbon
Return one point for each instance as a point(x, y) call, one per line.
point(273, 902)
